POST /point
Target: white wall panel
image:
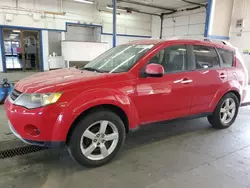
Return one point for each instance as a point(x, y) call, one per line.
point(168, 31)
point(133, 31)
point(197, 18)
point(186, 23)
point(181, 30)
point(156, 26)
point(196, 29)
point(168, 22)
point(222, 17)
point(7, 3)
point(182, 20)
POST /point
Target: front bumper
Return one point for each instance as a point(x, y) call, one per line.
point(52, 129)
point(38, 143)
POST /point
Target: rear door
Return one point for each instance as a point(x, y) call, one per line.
point(208, 76)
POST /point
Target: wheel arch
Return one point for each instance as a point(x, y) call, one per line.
point(113, 108)
point(236, 93)
point(221, 94)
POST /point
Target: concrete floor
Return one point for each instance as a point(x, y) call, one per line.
point(175, 155)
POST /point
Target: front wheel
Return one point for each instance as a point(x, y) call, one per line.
point(97, 138)
point(226, 112)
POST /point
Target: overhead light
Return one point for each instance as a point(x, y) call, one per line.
point(84, 1)
point(14, 34)
point(111, 8)
point(16, 31)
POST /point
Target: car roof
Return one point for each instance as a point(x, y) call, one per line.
point(202, 41)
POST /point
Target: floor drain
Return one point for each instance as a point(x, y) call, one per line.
point(20, 151)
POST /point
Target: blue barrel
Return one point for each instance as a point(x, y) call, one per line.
point(5, 89)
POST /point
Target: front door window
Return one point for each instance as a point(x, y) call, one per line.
point(173, 58)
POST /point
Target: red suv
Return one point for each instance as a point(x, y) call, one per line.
point(90, 109)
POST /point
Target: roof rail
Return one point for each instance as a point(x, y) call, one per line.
point(201, 38)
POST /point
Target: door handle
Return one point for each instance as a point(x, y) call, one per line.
point(186, 81)
point(223, 76)
point(183, 81)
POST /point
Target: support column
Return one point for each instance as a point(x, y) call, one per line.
point(44, 50)
point(209, 18)
point(114, 23)
point(2, 61)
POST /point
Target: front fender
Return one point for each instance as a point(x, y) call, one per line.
point(91, 99)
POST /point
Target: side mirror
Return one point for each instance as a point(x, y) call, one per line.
point(154, 70)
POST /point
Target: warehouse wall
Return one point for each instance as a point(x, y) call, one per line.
point(130, 24)
point(240, 37)
point(221, 18)
point(185, 23)
point(84, 34)
point(156, 27)
point(30, 13)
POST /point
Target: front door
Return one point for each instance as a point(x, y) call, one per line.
point(167, 97)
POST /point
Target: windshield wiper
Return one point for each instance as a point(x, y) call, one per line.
point(92, 69)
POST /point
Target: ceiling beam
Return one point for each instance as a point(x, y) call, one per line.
point(131, 10)
point(146, 5)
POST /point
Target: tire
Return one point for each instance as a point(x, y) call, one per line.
point(93, 122)
point(209, 118)
point(222, 110)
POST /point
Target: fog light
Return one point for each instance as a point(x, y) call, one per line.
point(32, 130)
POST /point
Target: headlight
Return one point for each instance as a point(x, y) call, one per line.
point(37, 100)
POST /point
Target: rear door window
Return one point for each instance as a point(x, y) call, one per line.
point(206, 57)
point(227, 57)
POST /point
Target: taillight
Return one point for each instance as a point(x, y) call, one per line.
point(235, 61)
point(239, 62)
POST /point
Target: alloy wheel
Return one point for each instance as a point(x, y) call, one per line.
point(99, 140)
point(227, 111)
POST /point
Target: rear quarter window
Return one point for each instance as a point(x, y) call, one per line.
point(227, 57)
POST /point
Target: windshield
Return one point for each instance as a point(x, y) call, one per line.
point(118, 59)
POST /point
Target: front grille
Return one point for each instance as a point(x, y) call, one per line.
point(15, 94)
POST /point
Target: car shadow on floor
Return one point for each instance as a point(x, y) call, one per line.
point(147, 134)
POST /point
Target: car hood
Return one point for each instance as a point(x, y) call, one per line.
point(55, 80)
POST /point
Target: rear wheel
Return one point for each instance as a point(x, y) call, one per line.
point(97, 138)
point(225, 112)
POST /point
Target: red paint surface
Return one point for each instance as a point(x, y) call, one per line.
point(144, 100)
